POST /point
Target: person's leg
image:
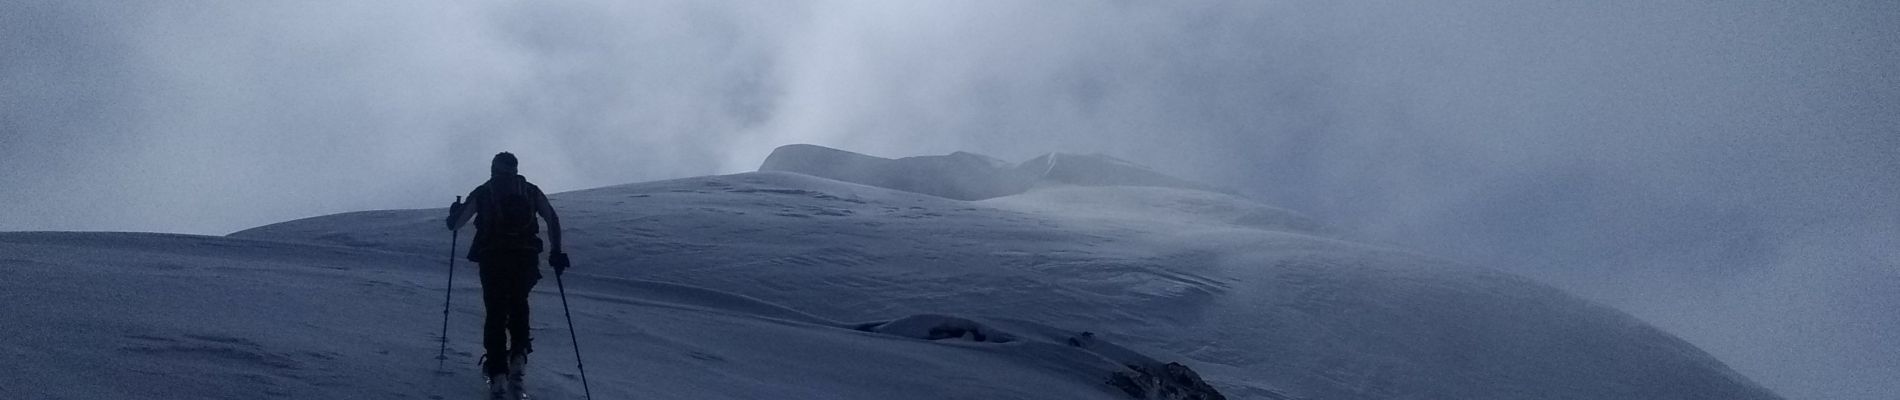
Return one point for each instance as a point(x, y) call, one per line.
point(528, 273)
point(495, 293)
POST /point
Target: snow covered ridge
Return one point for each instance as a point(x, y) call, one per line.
point(742, 287)
point(966, 176)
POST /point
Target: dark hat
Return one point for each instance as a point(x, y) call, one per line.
point(504, 164)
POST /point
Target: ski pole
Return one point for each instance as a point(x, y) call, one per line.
point(442, 351)
point(572, 338)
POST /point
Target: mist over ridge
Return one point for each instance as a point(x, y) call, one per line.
point(1723, 171)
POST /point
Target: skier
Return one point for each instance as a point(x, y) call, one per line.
point(509, 254)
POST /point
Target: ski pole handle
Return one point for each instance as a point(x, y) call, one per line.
point(455, 215)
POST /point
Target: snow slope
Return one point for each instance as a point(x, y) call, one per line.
point(780, 285)
point(147, 316)
point(1262, 301)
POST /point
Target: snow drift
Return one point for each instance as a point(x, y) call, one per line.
point(742, 286)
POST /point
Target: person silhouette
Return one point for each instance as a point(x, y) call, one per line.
point(508, 251)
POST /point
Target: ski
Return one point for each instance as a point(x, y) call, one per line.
point(503, 390)
point(507, 389)
point(519, 392)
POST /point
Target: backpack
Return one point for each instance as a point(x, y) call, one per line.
point(506, 221)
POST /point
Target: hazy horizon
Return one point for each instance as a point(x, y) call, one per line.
point(1728, 172)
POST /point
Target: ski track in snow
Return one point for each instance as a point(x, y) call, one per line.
point(756, 285)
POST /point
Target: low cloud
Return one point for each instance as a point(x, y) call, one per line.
point(1726, 172)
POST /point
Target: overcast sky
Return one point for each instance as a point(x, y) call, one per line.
point(1727, 170)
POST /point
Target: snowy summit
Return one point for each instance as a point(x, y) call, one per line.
point(834, 275)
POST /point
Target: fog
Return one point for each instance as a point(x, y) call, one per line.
point(1726, 171)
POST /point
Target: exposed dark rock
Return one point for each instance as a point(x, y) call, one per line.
point(938, 327)
point(1171, 381)
point(1084, 340)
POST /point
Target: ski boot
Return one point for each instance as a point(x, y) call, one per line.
point(493, 372)
point(498, 387)
point(517, 366)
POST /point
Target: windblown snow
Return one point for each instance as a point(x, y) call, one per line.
point(793, 285)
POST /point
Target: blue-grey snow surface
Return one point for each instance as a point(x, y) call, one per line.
point(747, 286)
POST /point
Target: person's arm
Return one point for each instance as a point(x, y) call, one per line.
point(460, 215)
point(546, 211)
